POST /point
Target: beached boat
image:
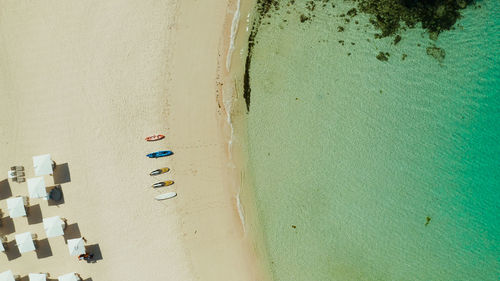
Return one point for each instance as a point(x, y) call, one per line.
point(162, 153)
point(155, 137)
point(162, 183)
point(159, 171)
point(165, 195)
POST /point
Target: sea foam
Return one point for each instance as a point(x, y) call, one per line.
point(234, 31)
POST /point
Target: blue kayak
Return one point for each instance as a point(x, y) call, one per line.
point(158, 154)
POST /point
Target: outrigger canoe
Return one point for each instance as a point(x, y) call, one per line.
point(160, 154)
point(159, 171)
point(162, 183)
point(155, 137)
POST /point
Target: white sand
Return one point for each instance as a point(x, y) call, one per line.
point(86, 81)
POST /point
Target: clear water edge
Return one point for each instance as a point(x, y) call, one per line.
point(311, 255)
point(235, 105)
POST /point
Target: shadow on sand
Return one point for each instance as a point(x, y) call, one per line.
point(12, 251)
point(61, 174)
point(7, 226)
point(96, 251)
point(34, 214)
point(72, 231)
point(5, 191)
point(43, 250)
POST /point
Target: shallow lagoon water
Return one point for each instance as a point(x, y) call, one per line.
point(349, 155)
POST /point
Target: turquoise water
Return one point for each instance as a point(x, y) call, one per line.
point(357, 153)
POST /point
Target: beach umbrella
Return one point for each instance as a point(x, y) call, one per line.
point(3, 239)
point(24, 242)
point(54, 226)
point(7, 276)
point(16, 206)
point(76, 246)
point(37, 277)
point(36, 187)
point(42, 164)
point(69, 277)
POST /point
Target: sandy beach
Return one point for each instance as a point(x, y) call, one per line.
point(86, 82)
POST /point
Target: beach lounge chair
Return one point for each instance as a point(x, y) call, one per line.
point(21, 179)
point(19, 173)
point(17, 168)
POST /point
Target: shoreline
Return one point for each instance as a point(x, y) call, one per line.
point(233, 103)
point(101, 85)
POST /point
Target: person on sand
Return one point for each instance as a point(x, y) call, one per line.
point(85, 256)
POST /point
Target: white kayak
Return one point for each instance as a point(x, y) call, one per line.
point(165, 195)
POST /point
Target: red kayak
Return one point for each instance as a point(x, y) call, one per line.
point(155, 137)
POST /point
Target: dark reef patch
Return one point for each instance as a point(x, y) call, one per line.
point(390, 17)
point(382, 57)
point(263, 8)
point(436, 52)
point(397, 39)
point(352, 12)
point(304, 18)
point(435, 15)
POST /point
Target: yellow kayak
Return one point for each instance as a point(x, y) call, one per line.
point(163, 183)
point(159, 171)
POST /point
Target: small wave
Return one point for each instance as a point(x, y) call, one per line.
point(234, 30)
point(240, 211)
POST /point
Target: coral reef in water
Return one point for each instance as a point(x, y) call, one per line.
point(435, 15)
point(388, 16)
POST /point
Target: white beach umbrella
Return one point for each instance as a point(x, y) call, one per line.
point(36, 187)
point(3, 239)
point(7, 276)
point(69, 277)
point(37, 277)
point(16, 207)
point(76, 246)
point(25, 242)
point(54, 226)
point(42, 164)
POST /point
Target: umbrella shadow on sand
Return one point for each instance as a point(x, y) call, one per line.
point(5, 191)
point(12, 251)
point(95, 250)
point(34, 214)
point(7, 226)
point(61, 174)
point(72, 231)
point(43, 249)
